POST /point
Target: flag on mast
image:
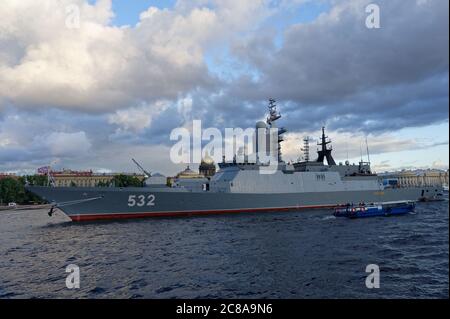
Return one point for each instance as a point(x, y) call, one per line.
point(43, 170)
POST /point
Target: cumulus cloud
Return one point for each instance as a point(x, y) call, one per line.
point(63, 144)
point(95, 66)
point(136, 119)
point(51, 64)
point(102, 88)
point(439, 165)
point(336, 55)
point(29, 140)
point(334, 67)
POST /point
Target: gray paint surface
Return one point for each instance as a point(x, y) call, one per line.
point(115, 200)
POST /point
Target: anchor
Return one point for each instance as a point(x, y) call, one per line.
point(73, 202)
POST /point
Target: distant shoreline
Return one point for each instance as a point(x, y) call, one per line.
point(24, 207)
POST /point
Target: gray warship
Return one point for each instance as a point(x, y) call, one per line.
point(240, 187)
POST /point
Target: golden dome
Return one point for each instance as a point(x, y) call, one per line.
point(208, 159)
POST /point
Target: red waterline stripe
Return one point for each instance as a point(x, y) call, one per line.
point(93, 217)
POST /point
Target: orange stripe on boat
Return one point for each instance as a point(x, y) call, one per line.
point(109, 216)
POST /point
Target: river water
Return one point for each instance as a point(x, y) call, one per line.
point(268, 255)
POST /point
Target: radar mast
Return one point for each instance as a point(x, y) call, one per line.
point(325, 152)
point(274, 115)
point(305, 148)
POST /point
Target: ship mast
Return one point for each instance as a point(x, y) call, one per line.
point(325, 151)
point(305, 148)
point(274, 115)
point(368, 154)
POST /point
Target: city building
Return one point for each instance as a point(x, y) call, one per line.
point(8, 175)
point(189, 179)
point(188, 173)
point(67, 178)
point(419, 178)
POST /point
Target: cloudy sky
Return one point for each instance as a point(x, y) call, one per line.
point(94, 92)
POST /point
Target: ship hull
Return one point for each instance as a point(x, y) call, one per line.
point(90, 204)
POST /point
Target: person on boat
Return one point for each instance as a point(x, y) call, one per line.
point(348, 207)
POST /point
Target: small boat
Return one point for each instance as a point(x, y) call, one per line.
point(371, 210)
point(439, 197)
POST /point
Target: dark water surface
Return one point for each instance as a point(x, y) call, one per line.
point(269, 255)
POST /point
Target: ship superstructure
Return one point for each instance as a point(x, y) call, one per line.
point(240, 187)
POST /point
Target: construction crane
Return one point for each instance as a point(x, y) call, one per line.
point(147, 174)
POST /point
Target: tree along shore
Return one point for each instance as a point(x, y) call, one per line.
point(12, 189)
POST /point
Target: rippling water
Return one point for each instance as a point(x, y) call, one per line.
point(271, 255)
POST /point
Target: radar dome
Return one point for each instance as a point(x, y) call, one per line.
point(261, 124)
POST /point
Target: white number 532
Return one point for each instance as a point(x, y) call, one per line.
point(141, 200)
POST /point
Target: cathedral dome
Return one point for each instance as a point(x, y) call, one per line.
point(207, 166)
point(208, 160)
point(188, 173)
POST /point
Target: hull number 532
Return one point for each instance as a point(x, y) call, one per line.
point(141, 200)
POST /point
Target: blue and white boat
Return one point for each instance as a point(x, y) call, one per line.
point(371, 210)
